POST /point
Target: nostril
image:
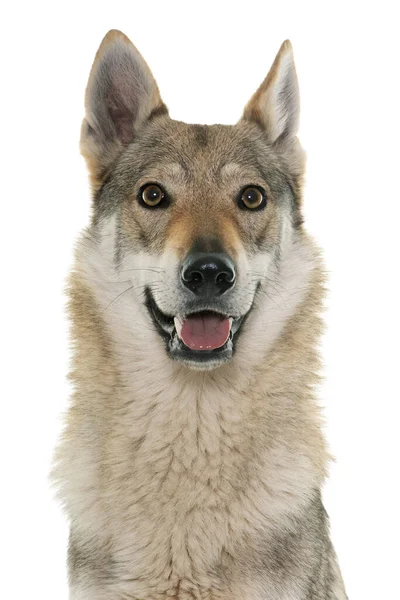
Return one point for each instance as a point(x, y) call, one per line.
point(224, 278)
point(196, 277)
point(192, 276)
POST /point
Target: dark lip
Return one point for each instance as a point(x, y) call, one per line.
point(162, 321)
point(177, 349)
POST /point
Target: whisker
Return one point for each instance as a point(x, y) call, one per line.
point(117, 297)
point(265, 277)
point(130, 281)
point(117, 281)
point(273, 283)
point(152, 269)
point(263, 291)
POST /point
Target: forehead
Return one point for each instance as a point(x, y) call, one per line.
point(191, 153)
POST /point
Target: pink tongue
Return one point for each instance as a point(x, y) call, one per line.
point(205, 332)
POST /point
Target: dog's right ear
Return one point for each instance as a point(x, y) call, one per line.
point(121, 95)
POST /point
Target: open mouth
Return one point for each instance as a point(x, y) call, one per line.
point(204, 338)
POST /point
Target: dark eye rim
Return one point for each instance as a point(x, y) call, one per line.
point(164, 202)
point(263, 203)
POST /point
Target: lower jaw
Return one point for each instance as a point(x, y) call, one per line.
point(200, 360)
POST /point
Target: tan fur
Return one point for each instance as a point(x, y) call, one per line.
point(180, 235)
point(184, 231)
point(253, 110)
point(182, 484)
point(264, 96)
point(198, 509)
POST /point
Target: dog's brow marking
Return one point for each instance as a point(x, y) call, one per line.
point(176, 170)
point(230, 169)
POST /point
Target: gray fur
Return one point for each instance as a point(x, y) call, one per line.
point(182, 483)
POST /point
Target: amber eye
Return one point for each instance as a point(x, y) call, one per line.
point(152, 195)
point(253, 198)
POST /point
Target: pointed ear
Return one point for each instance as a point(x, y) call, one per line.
point(275, 105)
point(121, 95)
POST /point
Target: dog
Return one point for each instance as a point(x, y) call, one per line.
point(192, 459)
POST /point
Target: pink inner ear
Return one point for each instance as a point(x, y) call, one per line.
point(123, 121)
point(120, 89)
point(122, 104)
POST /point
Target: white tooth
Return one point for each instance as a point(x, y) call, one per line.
point(178, 326)
point(230, 323)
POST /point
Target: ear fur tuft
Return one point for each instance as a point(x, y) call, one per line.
point(275, 105)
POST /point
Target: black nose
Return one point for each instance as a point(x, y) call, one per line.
point(208, 274)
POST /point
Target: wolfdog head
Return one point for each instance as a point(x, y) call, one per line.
point(202, 223)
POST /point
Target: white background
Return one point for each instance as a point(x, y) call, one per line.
point(208, 58)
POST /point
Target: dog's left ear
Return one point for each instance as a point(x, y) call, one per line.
point(275, 105)
point(121, 95)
